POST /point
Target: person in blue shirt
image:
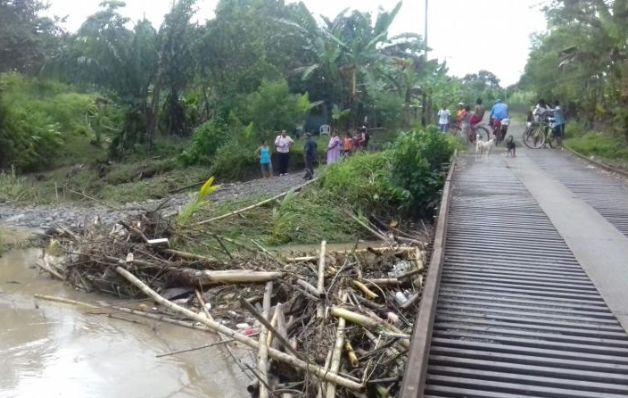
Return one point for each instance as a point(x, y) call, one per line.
point(559, 122)
point(499, 112)
point(263, 154)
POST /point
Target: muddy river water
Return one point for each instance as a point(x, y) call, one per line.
point(50, 349)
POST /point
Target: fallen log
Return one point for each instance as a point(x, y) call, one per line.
point(219, 328)
point(194, 277)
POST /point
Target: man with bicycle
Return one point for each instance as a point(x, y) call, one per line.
point(499, 119)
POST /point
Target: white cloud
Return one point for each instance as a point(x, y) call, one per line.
point(470, 35)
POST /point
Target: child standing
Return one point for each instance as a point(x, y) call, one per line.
point(263, 154)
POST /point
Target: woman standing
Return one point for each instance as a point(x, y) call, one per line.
point(333, 149)
point(282, 145)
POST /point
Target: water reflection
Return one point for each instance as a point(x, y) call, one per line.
point(57, 350)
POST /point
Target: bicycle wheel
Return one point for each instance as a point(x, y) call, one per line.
point(534, 137)
point(482, 132)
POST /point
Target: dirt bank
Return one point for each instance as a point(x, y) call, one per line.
point(44, 217)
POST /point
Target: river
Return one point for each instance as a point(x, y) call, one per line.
point(50, 349)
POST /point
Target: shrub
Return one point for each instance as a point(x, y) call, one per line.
point(272, 107)
point(39, 117)
point(310, 219)
point(417, 158)
point(364, 182)
point(208, 137)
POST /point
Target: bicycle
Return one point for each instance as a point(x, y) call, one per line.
point(538, 134)
point(472, 133)
point(500, 128)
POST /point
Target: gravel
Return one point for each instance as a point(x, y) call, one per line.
point(48, 216)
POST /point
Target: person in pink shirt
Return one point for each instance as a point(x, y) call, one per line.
point(333, 149)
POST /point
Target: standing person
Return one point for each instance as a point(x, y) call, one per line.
point(559, 123)
point(478, 112)
point(358, 140)
point(540, 111)
point(460, 113)
point(282, 145)
point(365, 138)
point(334, 148)
point(263, 154)
point(309, 153)
point(348, 145)
point(499, 112)
point(443, 119)
point(465, 121)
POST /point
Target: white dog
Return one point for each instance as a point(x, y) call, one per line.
point(483, 148)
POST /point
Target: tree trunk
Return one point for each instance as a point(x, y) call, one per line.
point(153, 113)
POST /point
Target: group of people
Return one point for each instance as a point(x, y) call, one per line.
point(337, 149)
point(543, 110)
point(467, 118)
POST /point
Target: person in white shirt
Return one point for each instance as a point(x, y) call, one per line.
point(283, 142)
point(443, 119)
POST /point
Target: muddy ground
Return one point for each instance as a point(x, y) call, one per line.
point(44, 217)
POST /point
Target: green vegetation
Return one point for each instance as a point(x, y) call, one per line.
point(40, 119)
point(583, 62)
point(116, 90)
point(385, 185)
point(605, 147)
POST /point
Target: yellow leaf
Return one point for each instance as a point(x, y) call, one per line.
point(208, 188)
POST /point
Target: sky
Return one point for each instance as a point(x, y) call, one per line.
point(469, 35)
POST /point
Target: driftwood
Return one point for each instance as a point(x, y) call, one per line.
point(363, 342)
point(253, 206)
point(320, 286)
point(190, 256)
point(144, 314)
point(337, 353)
point(194, 348)
point(217, 327)
point(262, 352)
point(206, 277)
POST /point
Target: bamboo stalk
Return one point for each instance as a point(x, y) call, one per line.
point(320, 286)
point(194, 348)
point(217, 327)
point(369, 322)
point(384, 281)
point(336, 357)
point(44, 265)
point(367, 227)
point(249, 307)
point(208, 277)
point(273, 323)
point(364, 289)
point(222, 337)
point(190, 256)
point(381, 249)
point(262, 353)
point(253, 206)
point(418, 257)
point(155, 317)
point(353, 358)
point(310, 289)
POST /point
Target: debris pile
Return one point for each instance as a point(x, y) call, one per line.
point(324, 324)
